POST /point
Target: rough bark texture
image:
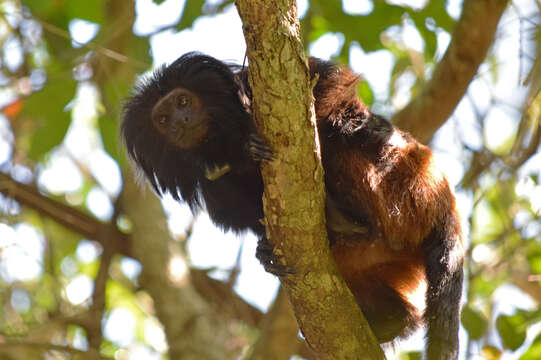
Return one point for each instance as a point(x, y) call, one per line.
point(472, 37)
point(192, 329)
point(294, 191)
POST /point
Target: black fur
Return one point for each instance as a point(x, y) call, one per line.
point(182, 172)
point(386, 204)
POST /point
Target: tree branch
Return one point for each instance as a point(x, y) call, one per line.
point(92, 45)
point(193, 330)
point(226, 301)
point(278, 336)
point(294, 191)
point(223, 298)
point(472, 37)
point(77, 221)
point(531, 287)
point(93, 328)
point(22, 347)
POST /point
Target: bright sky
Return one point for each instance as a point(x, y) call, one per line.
point(24, 254)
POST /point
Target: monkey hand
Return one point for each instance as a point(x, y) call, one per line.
point(258, 149)
point(270, 261)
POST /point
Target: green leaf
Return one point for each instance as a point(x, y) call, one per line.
point(319, 25)
point(433, 10)
point(90, 269)
point(118, 295)
point(115, 91)
point(39, 7)
point(58, 13)
point(140, 49)
point(436, 13)
point(484, 287)
point(47, 107)
point(474, 322)
point(108, 349)
point(534, 352)
point(535, 263)
point(401, 64)
point(365, 93)
point(224, 4)
point(512, 330)
point(412, 355)
point(430, 39)
point(85, 9)
point(192, 10)
point(364, 29)
point(44, 294)
point(109, 136)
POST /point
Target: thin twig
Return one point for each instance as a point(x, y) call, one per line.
point(92, 45)
point(68, 216)
point(21, 346)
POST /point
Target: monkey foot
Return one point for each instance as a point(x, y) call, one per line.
point(271, 262)
point(258, 149)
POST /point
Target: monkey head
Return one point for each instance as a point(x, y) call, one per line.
point(180, 118)
point(183, 120)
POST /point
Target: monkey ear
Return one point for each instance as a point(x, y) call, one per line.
point(244, 91)
point(245, 100)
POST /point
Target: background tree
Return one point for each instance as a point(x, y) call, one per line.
point(90, 267)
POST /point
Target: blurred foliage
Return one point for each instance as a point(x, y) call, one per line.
point(49, 102)
point(39, 101)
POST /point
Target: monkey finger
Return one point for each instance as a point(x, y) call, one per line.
point(271, 262)
point(258, 149)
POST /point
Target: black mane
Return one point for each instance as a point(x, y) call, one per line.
point(168, 168)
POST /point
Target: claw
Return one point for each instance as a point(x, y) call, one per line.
point(258, 149)
point(271, 263)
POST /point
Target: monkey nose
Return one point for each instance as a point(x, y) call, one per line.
point(180, 118)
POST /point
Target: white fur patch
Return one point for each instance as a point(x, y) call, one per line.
point(397, 140)
point(416, 296)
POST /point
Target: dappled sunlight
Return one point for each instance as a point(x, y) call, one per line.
point(87, 251)
point(154, 335)
point(67, 150)
point(357, 7)
point(99, 204)
point(327, 46)
point(178, 271)
point(70, 181)
point(79, 289)
point(82, 31)
point(530, 191)
point(21, 253)
point(119, 326)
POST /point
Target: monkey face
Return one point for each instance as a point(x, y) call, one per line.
point(180, 118)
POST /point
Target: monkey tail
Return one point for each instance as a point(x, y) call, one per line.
point(444, 255)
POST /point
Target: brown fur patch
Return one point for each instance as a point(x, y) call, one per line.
point(374, 274)
point(402, 191)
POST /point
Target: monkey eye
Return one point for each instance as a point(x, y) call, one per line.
point(183, 100)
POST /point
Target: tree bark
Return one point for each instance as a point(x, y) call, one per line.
point(192, 329)
point(294, 199)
